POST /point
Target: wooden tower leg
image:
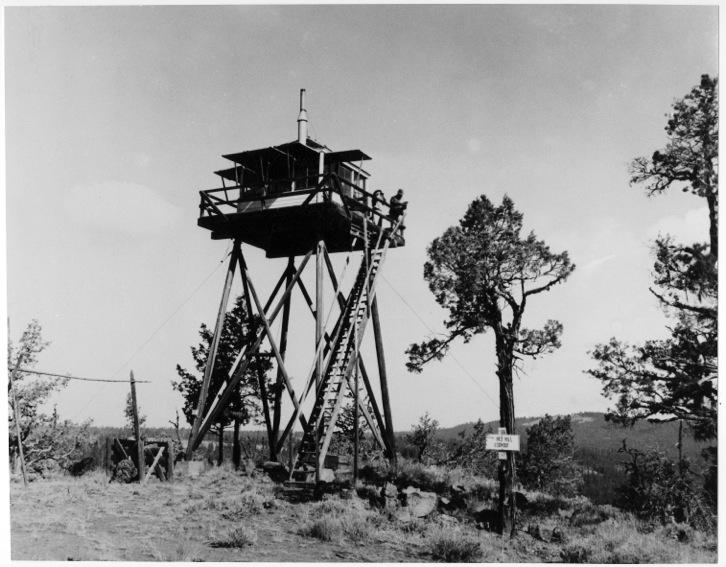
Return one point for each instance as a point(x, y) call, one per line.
point(384, 381)
point(283, 348)
point(261, 379)
point(319, 322)
point(356, 421)
point(213, 348)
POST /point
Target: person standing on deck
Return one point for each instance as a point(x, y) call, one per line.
point(398, 205)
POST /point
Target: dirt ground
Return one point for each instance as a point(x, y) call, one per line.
point(88, 519)
point(225, 516)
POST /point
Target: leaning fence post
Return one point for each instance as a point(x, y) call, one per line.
point(16, 412)
point(170, 458)
point(137, 434)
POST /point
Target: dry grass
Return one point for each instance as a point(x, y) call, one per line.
point(212, 517)
point(241, 536)
point(621, 541)
point(334, 519)
point(452, 545)
point(184, 551)
point(326, 528)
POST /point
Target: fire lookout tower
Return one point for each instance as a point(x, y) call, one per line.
point(302, 199)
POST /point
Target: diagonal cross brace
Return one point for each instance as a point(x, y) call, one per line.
point(241, 363)
point(273, 343)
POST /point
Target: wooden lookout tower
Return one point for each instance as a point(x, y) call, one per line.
point(301, 199)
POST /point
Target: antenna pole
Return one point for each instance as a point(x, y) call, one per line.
point(302, 120)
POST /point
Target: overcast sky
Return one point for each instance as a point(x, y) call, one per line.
point(117, 116)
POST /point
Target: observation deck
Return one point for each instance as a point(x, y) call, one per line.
point(284, 199)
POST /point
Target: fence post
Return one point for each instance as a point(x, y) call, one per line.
point(137, 433)
point(16, 412)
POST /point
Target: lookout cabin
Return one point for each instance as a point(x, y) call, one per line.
point(284, 199)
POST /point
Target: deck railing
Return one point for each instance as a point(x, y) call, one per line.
point(356, 201)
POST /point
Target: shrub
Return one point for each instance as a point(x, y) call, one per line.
point(417, 526)
point(422, 436)
point(425, 477)
point(657, 488)
point(236, 537)
point(368, 493)
point(355, 528)
point(470, 453)
point(245, 505)
point(452, 546)
point(324, 529)
point(549, 462)
point(588, 514)
point(544, 504)
point(575, 553)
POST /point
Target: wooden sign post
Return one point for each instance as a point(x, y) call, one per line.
point(502, 443)
point(505, 444)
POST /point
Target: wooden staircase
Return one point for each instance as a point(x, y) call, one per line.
point(339, 365)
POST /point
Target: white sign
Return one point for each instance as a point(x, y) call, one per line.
point(502, 442)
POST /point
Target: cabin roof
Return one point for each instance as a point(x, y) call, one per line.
point(294, 150)
point(251, 160)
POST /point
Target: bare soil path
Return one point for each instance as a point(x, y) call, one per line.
point(89, 519)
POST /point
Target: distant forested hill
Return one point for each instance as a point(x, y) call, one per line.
point(596, 447)
point(594, 434)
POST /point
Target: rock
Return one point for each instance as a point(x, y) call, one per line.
point(369, 493)
point(420, 503)
point(389, 496)
point(389, 490)
point(404, 515)
point(447, 520)
point(684, 533)
point(343, 475)
point(458, 497)
point(271, 504)
point(487, 517)
point(557, 536)
point(520, 500)
point(276, 471)
point(327, 475)
point(190, 469)
point(125, 471)
point(79, 468)
point(535, 532)
point(355, 503)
